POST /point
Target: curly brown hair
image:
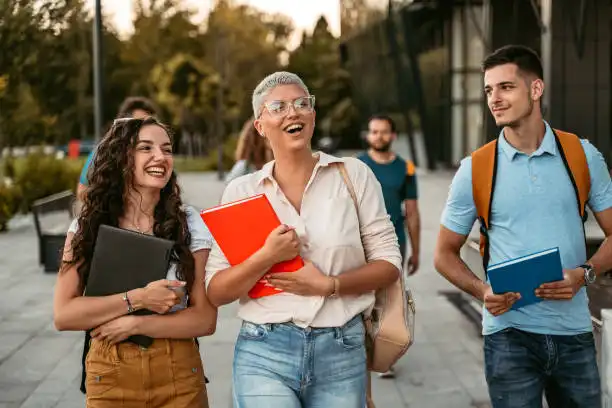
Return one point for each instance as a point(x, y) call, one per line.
point(104, 202)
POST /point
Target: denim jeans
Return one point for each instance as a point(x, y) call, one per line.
point(282, 365)
point(521, 367)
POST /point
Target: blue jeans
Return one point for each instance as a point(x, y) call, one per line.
point(282, 365)
point(522, 366)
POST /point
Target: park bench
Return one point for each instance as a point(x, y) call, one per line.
point(52, 217)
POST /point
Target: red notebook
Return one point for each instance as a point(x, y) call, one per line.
point(240, 228)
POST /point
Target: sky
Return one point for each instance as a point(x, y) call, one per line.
point(304, 13)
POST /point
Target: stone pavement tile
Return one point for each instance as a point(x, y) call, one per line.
point(420, 357)
point(35, 360)
point(418, 383)
point(39, 401)
point(65, 375)
point(9, 404)
point(386, 393)
point(480, 395)
point(218, 354)
point(469, 374)
point(29, 320)
point(73, 398)
point(217, 359)
point(451, 399)
point(16, 392)
point(26, 293)
point(9, 342)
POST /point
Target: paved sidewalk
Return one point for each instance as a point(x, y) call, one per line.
point(40, 367)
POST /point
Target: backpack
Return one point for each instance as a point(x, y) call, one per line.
point(484, 171)
point(390, 326)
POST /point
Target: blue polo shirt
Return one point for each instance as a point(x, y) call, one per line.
point(534, 208)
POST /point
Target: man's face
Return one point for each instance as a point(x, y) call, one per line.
point(511, 95)
point(380, 137)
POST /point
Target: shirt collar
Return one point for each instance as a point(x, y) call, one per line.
point(548, 144)
point(324, 161)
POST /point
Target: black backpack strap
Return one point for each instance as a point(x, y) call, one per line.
point(83, 358)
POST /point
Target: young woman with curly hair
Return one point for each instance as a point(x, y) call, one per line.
point(133, 186)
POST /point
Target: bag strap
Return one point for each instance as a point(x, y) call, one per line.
point(348, 184)
point(575, 162)
point(484, 171)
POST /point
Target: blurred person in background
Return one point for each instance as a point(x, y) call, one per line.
point(252, 152)
point(132, 107)
point(399, 184)
point(133, 186)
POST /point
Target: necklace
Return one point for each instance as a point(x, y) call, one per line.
point(148, 230)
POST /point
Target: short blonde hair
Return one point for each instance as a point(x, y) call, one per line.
point(270, 82)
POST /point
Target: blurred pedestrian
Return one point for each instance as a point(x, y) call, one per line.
point(252, 152)
point(399, 185)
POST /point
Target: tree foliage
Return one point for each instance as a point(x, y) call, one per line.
point(46, 86)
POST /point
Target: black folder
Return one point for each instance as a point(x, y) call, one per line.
point(124, 260)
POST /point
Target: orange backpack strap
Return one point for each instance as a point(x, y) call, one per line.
point(575, 162)
point(410, 168)
point(484, 169)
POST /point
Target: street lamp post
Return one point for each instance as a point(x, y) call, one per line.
point(97, 69)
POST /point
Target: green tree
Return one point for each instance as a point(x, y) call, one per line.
point(317, 61)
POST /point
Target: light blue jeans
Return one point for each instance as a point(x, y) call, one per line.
point(282, 365)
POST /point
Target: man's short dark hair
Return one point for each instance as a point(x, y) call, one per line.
point(387, 118)
point(132, 103)
point(526, 59)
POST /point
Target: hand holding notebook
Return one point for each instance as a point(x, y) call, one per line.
point(241, 228)
point(525, 274)
point(124, 260)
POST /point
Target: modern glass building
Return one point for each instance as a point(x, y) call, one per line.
point(420, 62)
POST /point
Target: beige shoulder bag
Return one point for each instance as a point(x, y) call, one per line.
point(390, 326)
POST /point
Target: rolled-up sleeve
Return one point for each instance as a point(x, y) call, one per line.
point(200, 235)
point(459, 213)
point(377, 232)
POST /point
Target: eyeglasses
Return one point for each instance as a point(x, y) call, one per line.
point(278, 109)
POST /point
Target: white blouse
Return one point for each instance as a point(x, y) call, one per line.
point(332, 238)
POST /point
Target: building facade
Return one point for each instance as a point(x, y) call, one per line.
point(420, 62)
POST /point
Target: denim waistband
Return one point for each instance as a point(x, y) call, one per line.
point(311, 330)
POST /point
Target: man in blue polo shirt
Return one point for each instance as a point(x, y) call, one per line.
point(546, 347)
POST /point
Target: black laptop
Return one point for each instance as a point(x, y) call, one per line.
point(124, 260)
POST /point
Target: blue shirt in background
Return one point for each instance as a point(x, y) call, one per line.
point(398, 182)
point(83, 178)
point(534, 208)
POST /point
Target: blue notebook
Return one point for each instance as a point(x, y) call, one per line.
point(525, 274)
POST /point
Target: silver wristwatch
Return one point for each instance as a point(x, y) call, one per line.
point(589, 274)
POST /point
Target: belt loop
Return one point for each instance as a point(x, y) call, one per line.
point(114, 352)
point(338, 332)
point(168, 346)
